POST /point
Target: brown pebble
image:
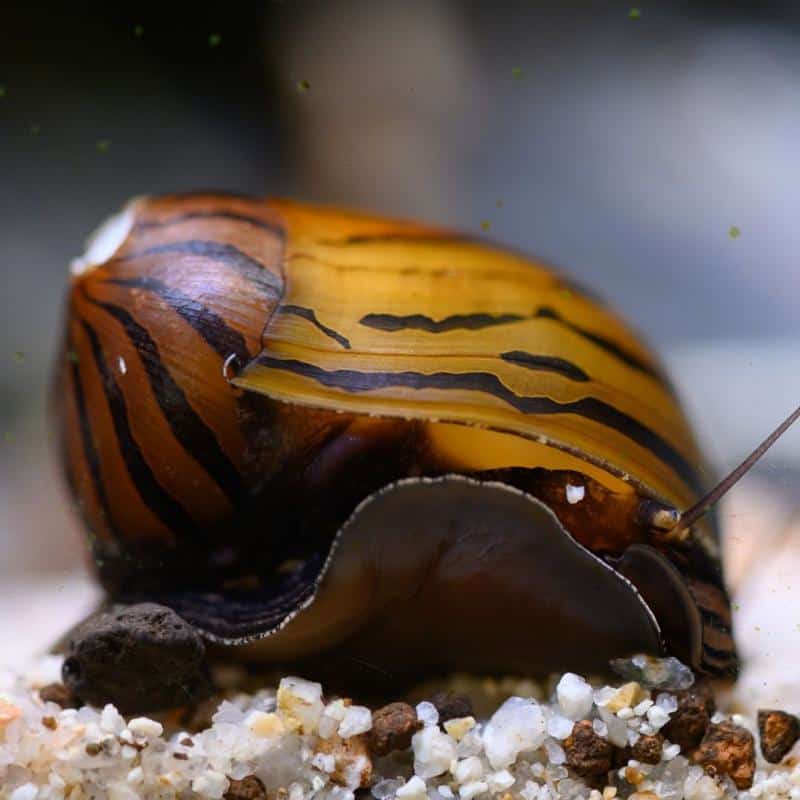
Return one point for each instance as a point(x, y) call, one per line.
point(349, 754)
point(451, 705)
point(93, 749)
point(688, 724)
point(648, 749)
point(180, 756)
point(588, 754)
point(249, 788)
point(778, 731)
point(60, 695)
point(392, 728)
point(187, 742)
point(728, 749)
point(50, 723)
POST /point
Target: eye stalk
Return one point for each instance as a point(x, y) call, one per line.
point(685, 520)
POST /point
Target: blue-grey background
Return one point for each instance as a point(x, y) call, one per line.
point(624, 149)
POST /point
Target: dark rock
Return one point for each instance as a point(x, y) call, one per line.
point(141, 658)
point(588, 754)
point(249, 788)
point(689, 723)
point(60, 695)
point(728, 749)
point(648, 749)
point(392, 728)
point(778, 731)
point(451, 705)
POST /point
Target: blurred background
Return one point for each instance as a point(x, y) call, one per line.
point(649, 147)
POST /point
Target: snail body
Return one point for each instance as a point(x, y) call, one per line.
point(313, 432)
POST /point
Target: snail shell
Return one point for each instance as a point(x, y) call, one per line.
point(319, 432)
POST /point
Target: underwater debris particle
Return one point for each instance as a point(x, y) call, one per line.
point(214, 40)
point(635, 13)
point(303, 86)
point(734, 232)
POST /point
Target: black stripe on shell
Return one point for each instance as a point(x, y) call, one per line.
point(250, 268)
point(541, 363)
point(196, 438)
point(486, 383)
point(223, 339)
point(165, 507)
point(309, 315)
point(232, 216)
point(604, 343)
point(470, 322)
point(87, 442)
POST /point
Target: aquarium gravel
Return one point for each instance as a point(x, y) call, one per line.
point(525, 741)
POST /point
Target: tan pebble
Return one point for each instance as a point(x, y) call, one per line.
point(265, 725)
point(646, 795)
point(628, 695)
point(353, 765)
point(633, 776)
point(609, 792)
point(459, 727)
point(8, 713)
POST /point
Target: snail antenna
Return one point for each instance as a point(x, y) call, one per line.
point(691, 515)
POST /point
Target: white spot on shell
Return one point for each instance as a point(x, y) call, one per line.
point(123, 367)
point(575, 493)
point(105, 240)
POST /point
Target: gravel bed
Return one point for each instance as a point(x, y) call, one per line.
point(566, 739)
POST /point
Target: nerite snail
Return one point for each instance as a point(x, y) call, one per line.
point(314, 431)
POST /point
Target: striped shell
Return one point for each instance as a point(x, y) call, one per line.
point(317, 431)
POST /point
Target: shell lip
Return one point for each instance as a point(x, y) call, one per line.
point(202, 609)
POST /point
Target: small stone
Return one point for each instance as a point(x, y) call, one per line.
point(60, 695)
point(352, 763)
point(27, 791)
point(647, 749)
point(414, 789)
point(392, 728)
point(140, 658)
point(459, 727)
point(93, 749)
point(145, 727)
point(249, 788)
point(728, 749)
point(357, 720)
point(688, 723)
point(778, 731)
point(628, 695)
point(587, 753)
point(434, 751)
point(451, 705)
point(518, 725)
point(211, 784)
point(8, 713)
point(300, 701)
point(575, 696)
point(50, 723)
point(654, 673)
point(265, 725)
